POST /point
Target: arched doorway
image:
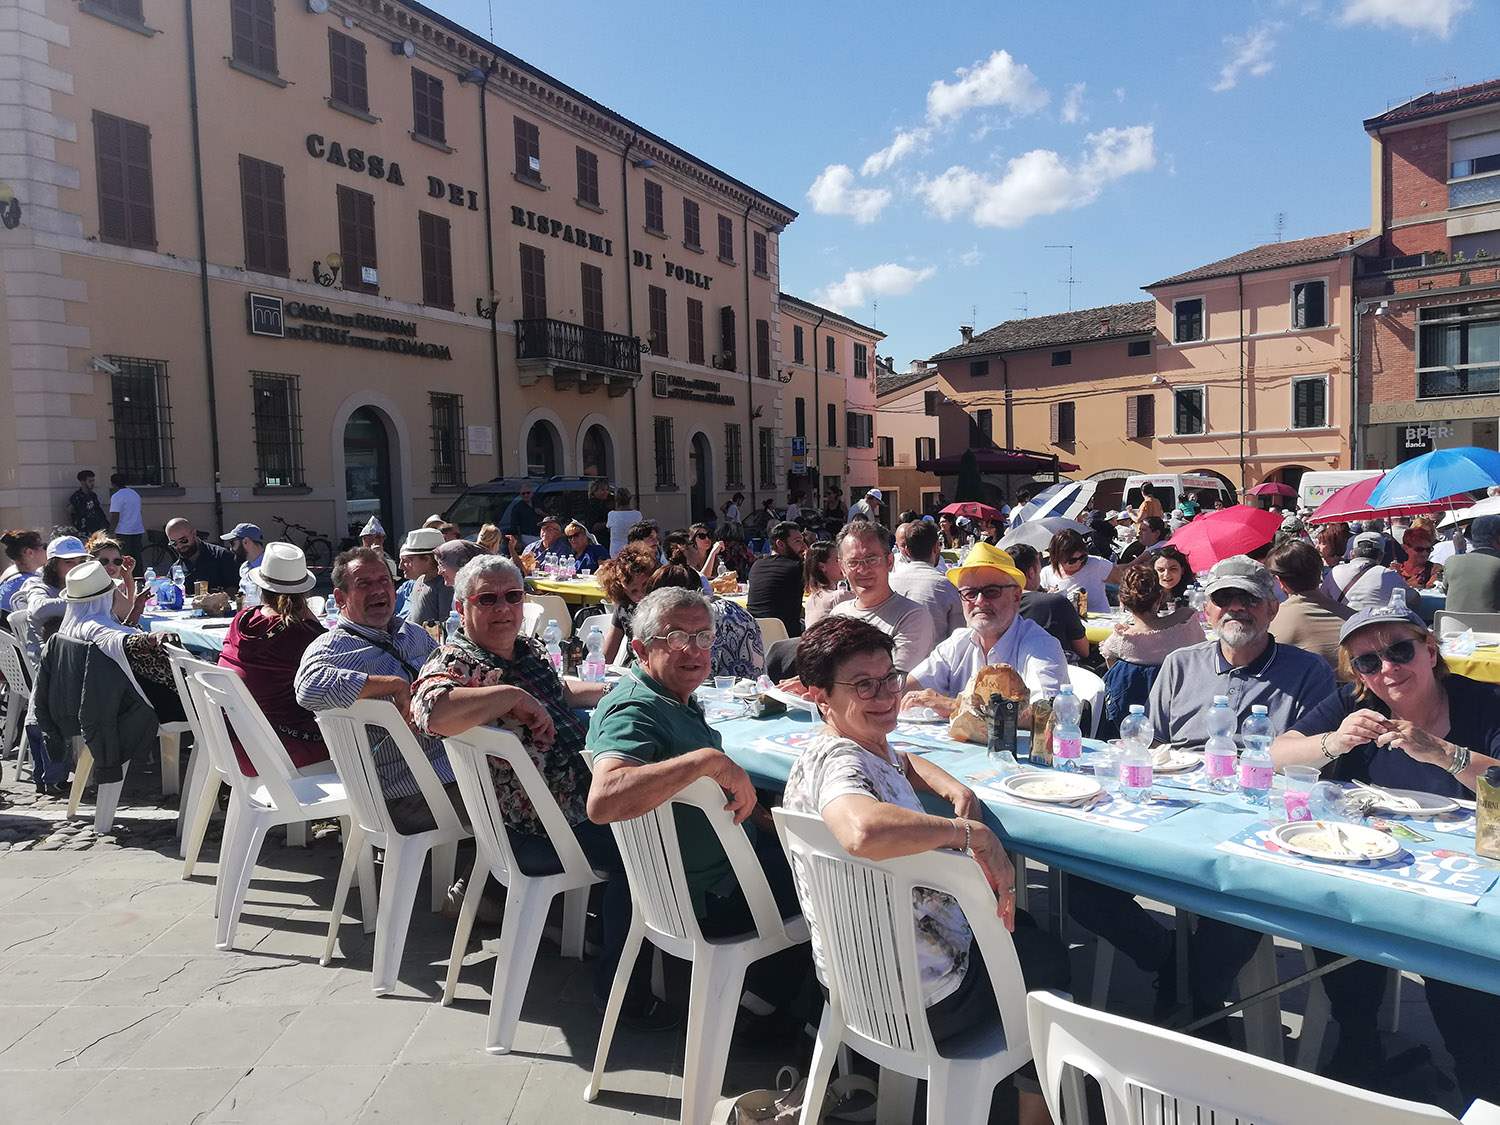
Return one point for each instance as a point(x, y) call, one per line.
point(598, 453)
point(543, 450)
point(367, 473)
point(1289, 475)
point(700, 473)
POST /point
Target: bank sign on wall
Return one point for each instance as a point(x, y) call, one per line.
point(267, 315)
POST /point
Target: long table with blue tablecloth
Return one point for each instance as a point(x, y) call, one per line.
point(201, 635)
point(1177, 861)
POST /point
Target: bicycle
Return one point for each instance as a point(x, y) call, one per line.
point(156, 554)
point(317, 548)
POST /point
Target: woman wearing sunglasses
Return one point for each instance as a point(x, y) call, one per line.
point(1070, 567)
point(866, 791)
point(1404, 722)
point(129, 600)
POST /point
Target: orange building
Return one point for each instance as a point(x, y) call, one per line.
point(325, 258)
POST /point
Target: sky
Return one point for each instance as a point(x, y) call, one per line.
point(942, 157)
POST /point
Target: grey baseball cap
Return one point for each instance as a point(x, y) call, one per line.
point(1239, 572)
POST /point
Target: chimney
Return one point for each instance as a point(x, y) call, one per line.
point(1104, 325)
point(967, 332)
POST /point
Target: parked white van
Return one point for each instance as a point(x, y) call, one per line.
point(1314, 488)
point(1169, 488)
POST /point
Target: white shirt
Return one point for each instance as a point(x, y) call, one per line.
point(248, 585)
point(1091, 576)
point(619, 523)
point(1028, 648)
point(793, 512)
point(925, 585)
point(127, 501)
point(732, 513)
point(1442, 552)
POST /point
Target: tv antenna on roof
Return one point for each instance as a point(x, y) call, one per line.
point(1068, 246)
point(1448, 79)
point(1022, 308)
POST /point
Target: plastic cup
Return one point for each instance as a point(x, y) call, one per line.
point(723, 683)
point(1299, 783)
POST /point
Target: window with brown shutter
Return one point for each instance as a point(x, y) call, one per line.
point(695, 330)
point(346, 68)
point(252, 34)
point(690, 235)
point(657, 300)
point(427, 107)
point(1062, 424)
point(760, 260)
point(1140, 416)
point(435, 237)
point(763, 348)
point(930, 400)
point(263, 203)
point(726, 338)
point(357, 239)
point(592, 278)
point(125, 9)
point(726, 239)
point(533, 283)
point(656, 215)
point(528, 152)
point(588, 177)
point(127, 208)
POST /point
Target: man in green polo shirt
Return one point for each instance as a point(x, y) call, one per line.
point(650, 739)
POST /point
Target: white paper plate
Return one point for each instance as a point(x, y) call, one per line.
point(791, 700)
point(1427, 804)
point(922, 715)
point(1316, 839)
point(1051, 787)
point(1178, 761)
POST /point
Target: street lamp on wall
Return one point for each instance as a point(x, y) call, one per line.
point(10, 207)
point(335, 263)
point(485, 306)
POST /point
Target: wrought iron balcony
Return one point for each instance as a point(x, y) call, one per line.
point(573, 355)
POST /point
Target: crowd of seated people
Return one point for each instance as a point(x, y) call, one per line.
point(1315, 627)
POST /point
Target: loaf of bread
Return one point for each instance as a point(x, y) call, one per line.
point(969, 722)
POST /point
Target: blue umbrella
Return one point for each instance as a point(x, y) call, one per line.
point(1436, 475)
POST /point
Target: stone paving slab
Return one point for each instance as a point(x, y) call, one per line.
point(115, 1006)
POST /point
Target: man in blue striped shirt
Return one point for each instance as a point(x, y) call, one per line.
point(373, 654)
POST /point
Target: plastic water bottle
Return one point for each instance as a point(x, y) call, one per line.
point(454, 626)
point(1137, 777)
point(1067, 735)
point(1256, 766)
point(552, 638)
point(179, 578)
point(593, 659)
point(151, 586)
point(331, 614)
point(1220, 754)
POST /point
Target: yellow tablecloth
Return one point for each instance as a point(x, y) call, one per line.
point(952, 554)
point(585, 591)
point(1482, 665)
point(1097, 626)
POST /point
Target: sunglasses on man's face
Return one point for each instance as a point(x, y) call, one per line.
point(1368, 663)
point(489, 598)
point(1224, 599)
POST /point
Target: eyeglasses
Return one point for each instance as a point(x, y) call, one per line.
point(1422, 547)
point(112, 562)
point(1368, 663)
point(1078, 560)
point(864, 563)
point(183, 542)
point(1226, 598)
point(893, 682)
point(678, 640)
point(703, 535)
point(987, 593)
point(488, 599)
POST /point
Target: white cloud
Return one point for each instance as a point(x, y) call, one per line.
point(1436, 16)
point(999, 80)
point(1252, 56)
point(971, 257)
point(834, 193)
point(1072, 108)
point(858, 286)
point(1040, 182)
point(907, 142)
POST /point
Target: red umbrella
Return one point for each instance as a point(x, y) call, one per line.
point(1222, 534)
point(1271, 488)
point(974, 510)
point(1352, 502)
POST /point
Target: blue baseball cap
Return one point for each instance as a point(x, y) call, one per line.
point(243, 531)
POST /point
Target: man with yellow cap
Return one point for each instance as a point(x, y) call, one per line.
point(991, 587)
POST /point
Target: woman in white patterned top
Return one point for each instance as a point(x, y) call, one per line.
point(866, 792)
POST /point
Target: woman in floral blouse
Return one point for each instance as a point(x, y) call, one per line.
point(491, 675)
point(866, 792)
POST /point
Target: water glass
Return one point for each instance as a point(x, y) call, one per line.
point(1299, 783)
point(723, 683)
point(1107, 766)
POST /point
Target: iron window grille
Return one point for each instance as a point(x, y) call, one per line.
point(666, 460)
point(278, 430)
point(141, 414)
point(733, 476)
point(447, 439)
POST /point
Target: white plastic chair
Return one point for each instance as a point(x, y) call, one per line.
point(865, 934)
point(772, 629)
point(553, 609)
point(18, 681)
point(1147, 1073)
point(1446, 621)
point(1089, 687)
point(349, 734)
point(19, 623)
point(200, 793)
point(664, 913)
point(316, 604)
point(531, 619)
point(278, 795)
point(528, 898)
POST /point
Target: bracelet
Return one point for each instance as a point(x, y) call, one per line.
point(968, 833)
point(1323, 746)
point(1460, 761)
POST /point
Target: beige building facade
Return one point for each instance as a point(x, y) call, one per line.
point(906, 434)
point(326, 260)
